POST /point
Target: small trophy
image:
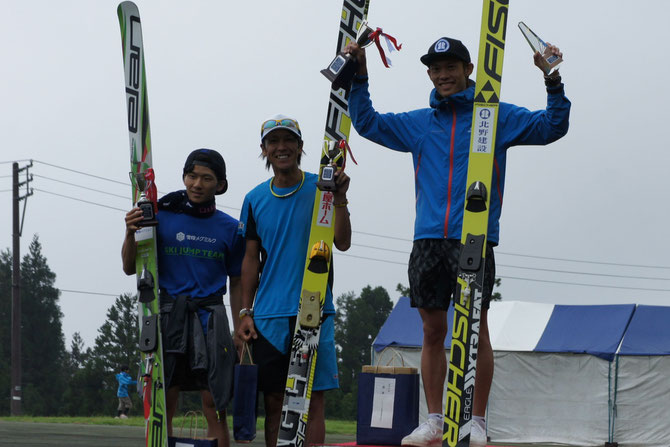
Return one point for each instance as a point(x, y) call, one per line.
point(342, 69)
point(144, 184)
point(538, 45)
point(332, 153)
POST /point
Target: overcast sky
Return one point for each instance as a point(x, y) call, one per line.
point(216, 70)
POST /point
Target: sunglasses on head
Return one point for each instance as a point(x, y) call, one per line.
point(286, 122)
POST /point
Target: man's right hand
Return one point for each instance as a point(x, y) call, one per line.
point(247, 330)
point(133, 217)
point(358, 54)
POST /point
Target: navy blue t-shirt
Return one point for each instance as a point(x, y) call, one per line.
point(197, 255)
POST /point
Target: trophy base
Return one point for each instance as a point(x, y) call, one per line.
point(341, 71)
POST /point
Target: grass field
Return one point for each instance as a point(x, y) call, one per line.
point(332, 426)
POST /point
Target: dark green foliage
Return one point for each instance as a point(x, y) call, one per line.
point(42, 342)
point(5, 328)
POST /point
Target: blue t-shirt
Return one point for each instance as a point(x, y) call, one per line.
point(281, 226)
point(196, 255)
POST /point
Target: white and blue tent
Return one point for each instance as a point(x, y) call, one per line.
point(556, 378)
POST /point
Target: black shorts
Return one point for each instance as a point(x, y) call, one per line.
point(433, 268)
point(186, 378)
point(272, 364)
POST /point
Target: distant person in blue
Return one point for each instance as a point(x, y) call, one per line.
point(275, 222)
point(438, 138)
point(198, 251)
point(125, 404)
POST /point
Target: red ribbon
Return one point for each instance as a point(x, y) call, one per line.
point(344, 147)
point(375, 35)
point(151, 191)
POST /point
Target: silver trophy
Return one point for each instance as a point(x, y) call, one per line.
point(342, 69)
point(143, 184)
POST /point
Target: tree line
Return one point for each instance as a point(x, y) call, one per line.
point(80, 380)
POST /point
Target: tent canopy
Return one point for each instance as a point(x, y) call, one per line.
point(648, 332)
point(523, 326)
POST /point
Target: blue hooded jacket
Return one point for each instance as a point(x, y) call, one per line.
point(439, 141)
point(124, 380)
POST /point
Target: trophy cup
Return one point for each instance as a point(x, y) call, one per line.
point(144, 184)
point(342, 69)
point(538, 45)
point(327, 176)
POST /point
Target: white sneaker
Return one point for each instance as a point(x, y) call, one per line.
point(123, 416)
point(477, 435)
point(428, 434)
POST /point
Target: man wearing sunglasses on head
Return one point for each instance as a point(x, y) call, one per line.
point(275, 222)
point(438, 138)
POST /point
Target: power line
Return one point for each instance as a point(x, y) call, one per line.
point(81, 186)
point(88, 293)
point(79, 200)
point(83, 173)
point(523, 279)
point(581, 273)
point(384, 236)
point(585, 261)
point(14, 161)
point(368, 233)
point(583, 284)
point(83, 292)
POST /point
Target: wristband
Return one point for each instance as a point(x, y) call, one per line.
point(246, 311)
point(341, 205)
point(552, 81)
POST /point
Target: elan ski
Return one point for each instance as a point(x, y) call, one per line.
point(144, 196)
point(467, 309)
point(303, 357)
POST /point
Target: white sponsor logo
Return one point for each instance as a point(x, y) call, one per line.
point(441, 46)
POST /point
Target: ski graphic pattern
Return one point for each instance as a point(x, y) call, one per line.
point(151, 365)
point(303, 356)
point(467, 310)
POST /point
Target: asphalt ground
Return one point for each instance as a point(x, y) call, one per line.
point(36, 434)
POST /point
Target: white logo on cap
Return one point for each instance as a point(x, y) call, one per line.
point(441, 46)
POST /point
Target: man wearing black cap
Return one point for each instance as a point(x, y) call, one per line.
point(198, 250)
point(438, 138)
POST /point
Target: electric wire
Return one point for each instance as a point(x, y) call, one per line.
point(372, 234)
point(79, 200)
point(81, 186)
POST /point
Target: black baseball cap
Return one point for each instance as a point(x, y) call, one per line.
point(446, 47)
point(208, 158)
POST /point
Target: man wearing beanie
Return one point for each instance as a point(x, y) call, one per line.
point(438, 137)
point(198, 250)
point(275, 222)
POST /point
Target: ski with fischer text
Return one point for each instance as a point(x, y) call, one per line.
point(467, 307)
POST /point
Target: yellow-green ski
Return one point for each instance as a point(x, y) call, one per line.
point(295, 410)
point(467, 309)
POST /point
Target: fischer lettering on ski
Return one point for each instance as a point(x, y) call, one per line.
point(467, 305)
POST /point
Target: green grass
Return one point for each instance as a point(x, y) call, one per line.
point(332, 426)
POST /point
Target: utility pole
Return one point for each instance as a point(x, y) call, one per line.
point(15, 393)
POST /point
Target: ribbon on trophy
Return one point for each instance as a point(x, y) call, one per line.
point(391, 44)
point(151, 191)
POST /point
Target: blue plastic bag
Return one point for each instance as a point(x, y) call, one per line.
point(244, 399)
